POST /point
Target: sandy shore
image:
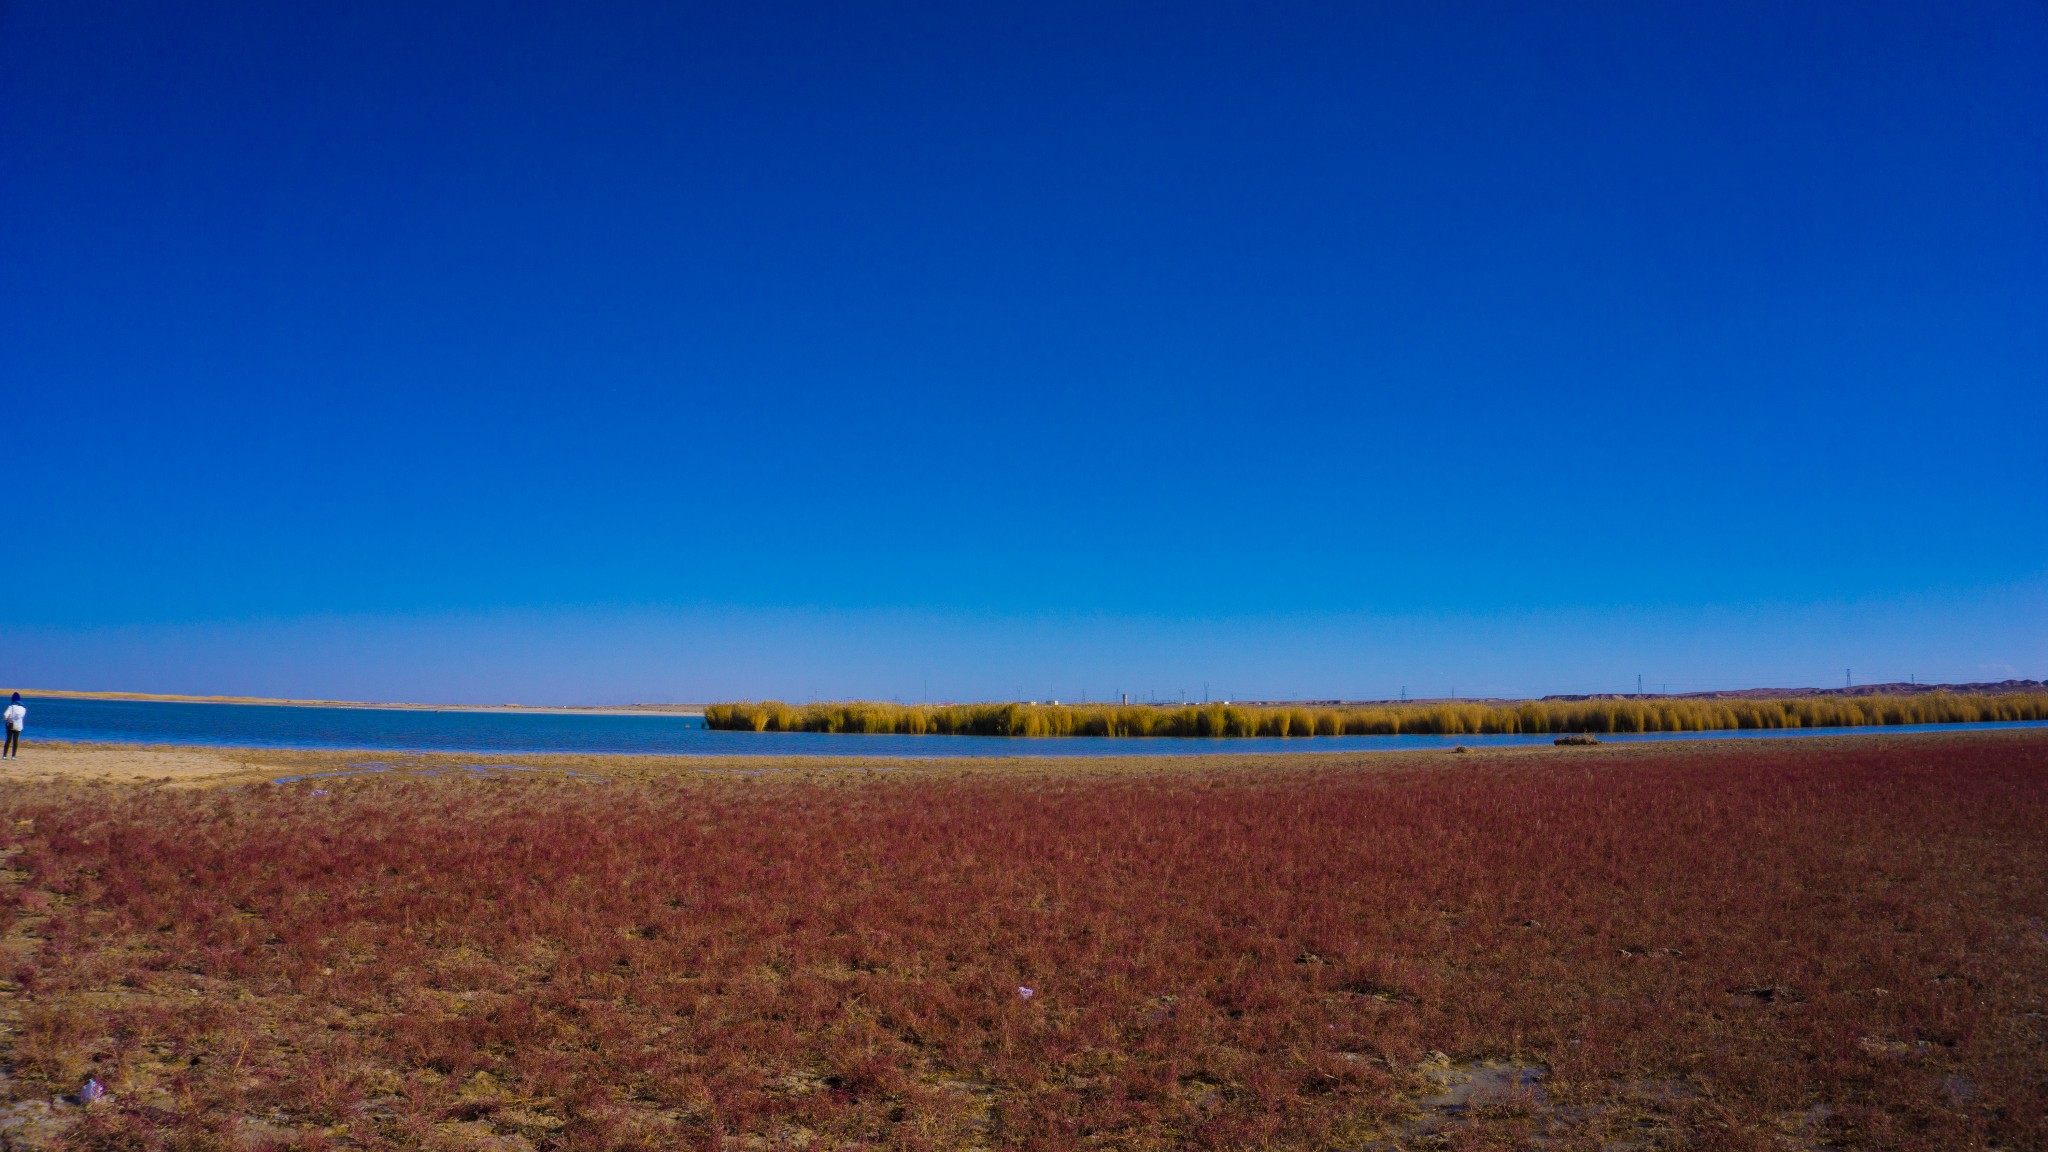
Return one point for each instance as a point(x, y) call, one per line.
point(207, 767)
point(117, 765)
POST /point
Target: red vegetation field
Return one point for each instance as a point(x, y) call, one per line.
point(1784, 944)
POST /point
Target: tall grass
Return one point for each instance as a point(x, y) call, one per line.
point(1456, 719)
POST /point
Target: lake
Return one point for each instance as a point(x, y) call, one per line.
point(391, 729)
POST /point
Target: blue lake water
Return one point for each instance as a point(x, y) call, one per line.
point(388, 729)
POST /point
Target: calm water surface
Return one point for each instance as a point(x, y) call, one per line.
point(385, 729)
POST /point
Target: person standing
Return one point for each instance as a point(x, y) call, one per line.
point(14, 715)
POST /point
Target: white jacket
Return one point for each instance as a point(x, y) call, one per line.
point(15, 714)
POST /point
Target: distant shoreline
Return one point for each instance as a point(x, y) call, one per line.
point(697, 710)
point(391, 706)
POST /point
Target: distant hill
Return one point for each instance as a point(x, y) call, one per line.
point(1988, 688)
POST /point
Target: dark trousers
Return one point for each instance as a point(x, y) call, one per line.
point(13, 743)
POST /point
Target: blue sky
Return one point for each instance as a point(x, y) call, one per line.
point(671, 352)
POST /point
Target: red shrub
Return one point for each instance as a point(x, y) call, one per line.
point(1841, 939)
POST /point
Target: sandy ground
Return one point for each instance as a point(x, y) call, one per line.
point(188, 767)
point(117, 765)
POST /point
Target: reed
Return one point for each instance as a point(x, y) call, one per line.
point(1439, 719)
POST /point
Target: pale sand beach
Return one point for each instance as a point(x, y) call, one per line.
point(116, 765)
point(213, 767)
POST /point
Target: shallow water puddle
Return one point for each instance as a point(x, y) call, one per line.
point(1483, 1084)
point(1463, 1091)
point(1636, 1115)
point(351, 771)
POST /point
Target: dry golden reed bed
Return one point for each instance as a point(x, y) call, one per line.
point(1442, 719)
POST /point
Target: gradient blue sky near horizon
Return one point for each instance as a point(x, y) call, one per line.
point(658, 351)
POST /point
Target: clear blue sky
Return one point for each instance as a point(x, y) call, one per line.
point(599, 352)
